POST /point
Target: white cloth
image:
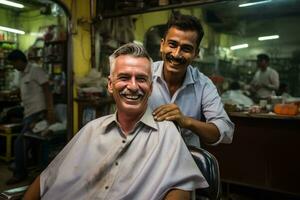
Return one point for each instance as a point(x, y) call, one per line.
point(32, 95)
point(268, 81)
point(102, 163)
point(197, 97)
point(236, 97)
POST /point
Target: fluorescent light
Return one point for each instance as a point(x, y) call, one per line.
point(240, 46)
point(36, 34)
point(3, 28)
point(10, 3)
point(270, 37)
point(254, 3)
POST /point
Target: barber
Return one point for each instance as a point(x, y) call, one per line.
point(181, 93)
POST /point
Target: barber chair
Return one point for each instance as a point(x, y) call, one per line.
point(209, 167)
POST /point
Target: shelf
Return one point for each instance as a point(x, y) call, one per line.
point(53, 61)
point(55, 42)
point(6, 41)
point(115, 13)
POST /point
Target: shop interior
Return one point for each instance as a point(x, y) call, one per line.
point(251, 167)
point(39, 29)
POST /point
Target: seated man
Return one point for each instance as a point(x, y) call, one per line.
point(126, 155)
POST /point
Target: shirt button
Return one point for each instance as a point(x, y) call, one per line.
point(123, 141)
point(106, 187)
point(116, 163)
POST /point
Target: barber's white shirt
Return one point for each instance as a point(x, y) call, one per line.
point(100, 162)
point(268, 80)
point(32, 95)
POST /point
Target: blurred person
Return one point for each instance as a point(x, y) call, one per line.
point(37, 102)
point(126, 155)
point(266, 79)
point(235, 96)
point(181, 93)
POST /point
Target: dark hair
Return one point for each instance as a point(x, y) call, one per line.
point(17, 55)
point(235, 86)
point(185, 23)
point(263, 56)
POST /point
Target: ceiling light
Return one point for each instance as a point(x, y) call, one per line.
point(254, 3)
point(240, 46)
point(10, 3)
point(3, 28)
point(269, 37)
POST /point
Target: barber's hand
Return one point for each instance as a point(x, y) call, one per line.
point(170, 112)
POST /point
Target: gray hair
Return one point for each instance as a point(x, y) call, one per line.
point(131, 49)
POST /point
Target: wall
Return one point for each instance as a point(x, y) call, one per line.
point(7, 18)
point(31, 22)
point(81, 43)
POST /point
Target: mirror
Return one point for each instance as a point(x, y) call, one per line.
point(225, 25)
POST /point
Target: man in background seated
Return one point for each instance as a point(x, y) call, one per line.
point(126, 155)
point(235, 96)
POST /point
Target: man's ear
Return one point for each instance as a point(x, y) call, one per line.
point(109, 85)
point(162, 41)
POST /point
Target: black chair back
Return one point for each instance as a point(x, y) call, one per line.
point(209, 167)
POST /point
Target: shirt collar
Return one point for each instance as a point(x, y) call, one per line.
point(146, 119)
point(188, 76)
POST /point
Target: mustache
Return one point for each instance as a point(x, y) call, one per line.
point(128, 92)
point(180, 60)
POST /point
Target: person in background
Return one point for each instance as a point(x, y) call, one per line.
point(126, 155)
point(181, 93)
point(235, 96)
point(266, 79)
point(37, 102)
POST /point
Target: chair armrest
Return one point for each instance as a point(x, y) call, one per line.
point(14, 193)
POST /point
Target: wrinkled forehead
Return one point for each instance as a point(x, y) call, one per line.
point(133, 63)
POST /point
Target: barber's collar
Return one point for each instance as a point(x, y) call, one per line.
point(158, 74)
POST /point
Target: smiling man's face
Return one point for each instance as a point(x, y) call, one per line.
point(178, 49)
point(130, 84)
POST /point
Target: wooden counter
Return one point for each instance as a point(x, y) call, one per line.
point(264, 153)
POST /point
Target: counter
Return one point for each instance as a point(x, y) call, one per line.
point(263, 154)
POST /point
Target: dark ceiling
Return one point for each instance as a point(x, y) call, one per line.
point(227, 17)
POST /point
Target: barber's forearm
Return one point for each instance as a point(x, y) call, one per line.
point(208, 132)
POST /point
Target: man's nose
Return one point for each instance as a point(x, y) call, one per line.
point(132, 85)
point(177, 52)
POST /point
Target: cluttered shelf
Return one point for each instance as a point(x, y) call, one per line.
point(91, 108)
point(269, 115)
point(110, 9)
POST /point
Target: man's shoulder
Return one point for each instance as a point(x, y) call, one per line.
point(198, 77)
point(99, 122)
point(168, 129)
point(272, 70)
point(35, 68)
